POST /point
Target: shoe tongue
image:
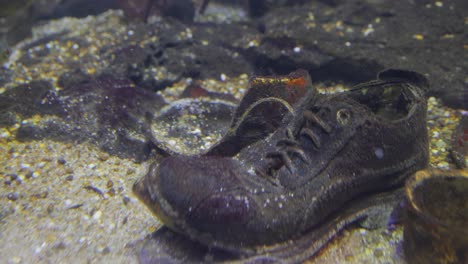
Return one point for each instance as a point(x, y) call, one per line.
point(262, 119)
point(262, 110)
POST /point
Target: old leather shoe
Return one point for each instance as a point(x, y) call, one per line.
point(329, 150)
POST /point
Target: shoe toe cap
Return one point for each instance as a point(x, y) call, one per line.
point(186, 188)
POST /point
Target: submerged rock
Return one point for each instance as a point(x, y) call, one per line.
point(105, 110)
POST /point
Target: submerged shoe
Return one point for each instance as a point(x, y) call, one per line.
point(330, 150)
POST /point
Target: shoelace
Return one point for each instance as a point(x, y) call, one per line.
point(290, 145)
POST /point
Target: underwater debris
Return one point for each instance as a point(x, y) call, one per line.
point(436, 226)
point(279, 190)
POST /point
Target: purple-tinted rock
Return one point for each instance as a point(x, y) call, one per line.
point(107, 111)
point(28, 100)
point(183, 10)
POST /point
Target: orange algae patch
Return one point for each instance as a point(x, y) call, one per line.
point(290, 88)
point(301, 82)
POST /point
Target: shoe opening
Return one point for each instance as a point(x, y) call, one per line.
point(389, 101)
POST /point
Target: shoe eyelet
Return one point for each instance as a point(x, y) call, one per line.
point(343, 116)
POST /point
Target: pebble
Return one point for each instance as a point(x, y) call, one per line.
point(13, 177)
point(67, 202)
point(378, 253)
point(103, 156)
point(441, 144)
point(443, 165)
point(69, 178)
point(28, 175)
point(59, 246)
point(110, 184)
point(25, 166)
point(97, 215)
point(13, 196)
point(104, 250)
point(5, 134)
point(126, 199)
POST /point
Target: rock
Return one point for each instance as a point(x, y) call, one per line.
point(352, 40)
point(106, 111)
point(181, 52)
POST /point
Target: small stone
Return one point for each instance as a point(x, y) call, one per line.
point(59, 246)
point(5, 134)
point(105, 250)
point(50, 209)
point(378, 253)
point(20, 179)
point(111, 192)
point(25, 166)
point(418, 36)
point(103, 156)
point(97, 215)
point(29, 175)
point(67, 202)
point(69, 178)
point(110, 184)
point(443, 165)
point(13, 177)
point(61, 161)
point(126, 200)
point(13, 196)
point(441, 144)
point(349, 257)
